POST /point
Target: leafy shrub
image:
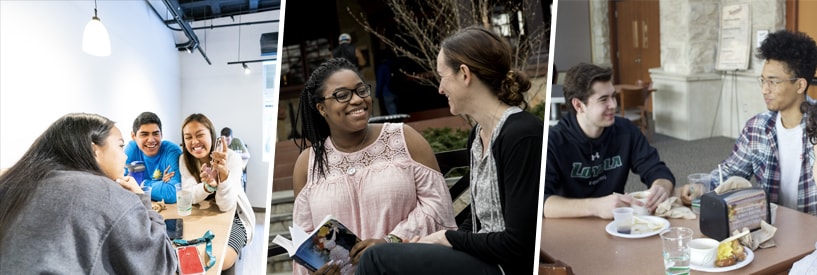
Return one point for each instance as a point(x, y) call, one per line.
point(446, 139)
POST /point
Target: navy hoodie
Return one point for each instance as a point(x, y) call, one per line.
point(580, 167)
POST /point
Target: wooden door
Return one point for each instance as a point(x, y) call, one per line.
point(807, 23)
point(636, 39)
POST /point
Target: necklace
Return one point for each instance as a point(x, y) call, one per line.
point(351, 170)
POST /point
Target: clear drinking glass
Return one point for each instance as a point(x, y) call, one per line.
point(675, 243)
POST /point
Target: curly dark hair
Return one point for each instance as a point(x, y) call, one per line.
point(488, 56)
point(811, 121)
point(798, 52)
point(314, 127)
point(579, 82)
point(795, 49)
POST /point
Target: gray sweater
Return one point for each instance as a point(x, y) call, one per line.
point(80, 223)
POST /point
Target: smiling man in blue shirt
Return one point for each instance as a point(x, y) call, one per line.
point(161, 157)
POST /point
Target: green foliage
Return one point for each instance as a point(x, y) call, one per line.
point(538, 110)
point(446, 139)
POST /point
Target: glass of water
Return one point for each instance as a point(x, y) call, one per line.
point(675, 243)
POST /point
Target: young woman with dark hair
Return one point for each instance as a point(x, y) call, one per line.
point(380, 180)
point(210, 168)
point(66, 208)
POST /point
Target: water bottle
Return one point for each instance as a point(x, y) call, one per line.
point(136, 169)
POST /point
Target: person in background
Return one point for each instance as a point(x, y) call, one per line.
point(349, 51)
point(161, 157)
point(474, 66)
point(66, 208)
point(211, 168)
point(591, 152)
point(380, 180)
point(383, 91)
point(237, 145)
point(773, 146)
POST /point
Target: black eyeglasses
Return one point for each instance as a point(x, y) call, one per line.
point(343, 95)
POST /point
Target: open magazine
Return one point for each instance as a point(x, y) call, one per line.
point(331, 241)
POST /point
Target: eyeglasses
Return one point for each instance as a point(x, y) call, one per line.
point(343, 95)
point(772, 82)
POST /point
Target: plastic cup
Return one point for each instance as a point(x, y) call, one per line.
point(675, 242)
point(147, 190)
point(184, 201)
point(623, 217)
point(773, 210)
point(699, 183)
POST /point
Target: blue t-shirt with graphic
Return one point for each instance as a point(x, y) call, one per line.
point(155, 166)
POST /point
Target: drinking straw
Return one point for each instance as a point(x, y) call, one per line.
point(720, 175)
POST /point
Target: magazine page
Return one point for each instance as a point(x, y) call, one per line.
point(332, 241)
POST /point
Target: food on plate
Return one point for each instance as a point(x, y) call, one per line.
point(643, 226)
point(730, 253)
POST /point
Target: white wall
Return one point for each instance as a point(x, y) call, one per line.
point(44, 74)
point(226, 95)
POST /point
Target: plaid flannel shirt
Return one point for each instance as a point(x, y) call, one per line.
point(756, 154)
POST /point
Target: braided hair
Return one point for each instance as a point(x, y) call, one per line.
point(314, 127)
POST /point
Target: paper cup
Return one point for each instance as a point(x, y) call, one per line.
point(641, 196)
point(703, 251)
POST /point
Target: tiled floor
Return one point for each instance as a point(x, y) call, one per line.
point(253, 257)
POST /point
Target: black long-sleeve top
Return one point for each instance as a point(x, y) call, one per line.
point(518, 153)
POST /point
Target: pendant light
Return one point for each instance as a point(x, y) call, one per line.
point(247, 69)
point(95, 40)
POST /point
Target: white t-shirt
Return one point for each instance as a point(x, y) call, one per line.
point(790, 150)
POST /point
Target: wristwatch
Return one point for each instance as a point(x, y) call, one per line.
point(210, 189)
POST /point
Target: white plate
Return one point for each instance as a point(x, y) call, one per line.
point(611, 228)
point(712, 268)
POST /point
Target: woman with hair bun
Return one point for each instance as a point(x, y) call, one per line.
point(475, 72)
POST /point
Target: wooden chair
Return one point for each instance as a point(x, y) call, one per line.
point(635, 104)
point(550, 266)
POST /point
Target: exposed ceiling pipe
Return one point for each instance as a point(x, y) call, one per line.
point(193, 40)
point(169, 22)
point(237, 24)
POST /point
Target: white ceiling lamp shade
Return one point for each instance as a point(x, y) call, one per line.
point(95, 39)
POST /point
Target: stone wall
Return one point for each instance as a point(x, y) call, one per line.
point(687, 79)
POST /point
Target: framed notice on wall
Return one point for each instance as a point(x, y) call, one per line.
point(735, 38)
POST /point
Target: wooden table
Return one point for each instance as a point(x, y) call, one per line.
point(584, 245)
point(206, 216)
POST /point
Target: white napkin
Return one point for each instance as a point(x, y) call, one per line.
point(672, 208)
point(732, 183)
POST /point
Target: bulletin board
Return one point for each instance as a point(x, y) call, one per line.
point(734, 41)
